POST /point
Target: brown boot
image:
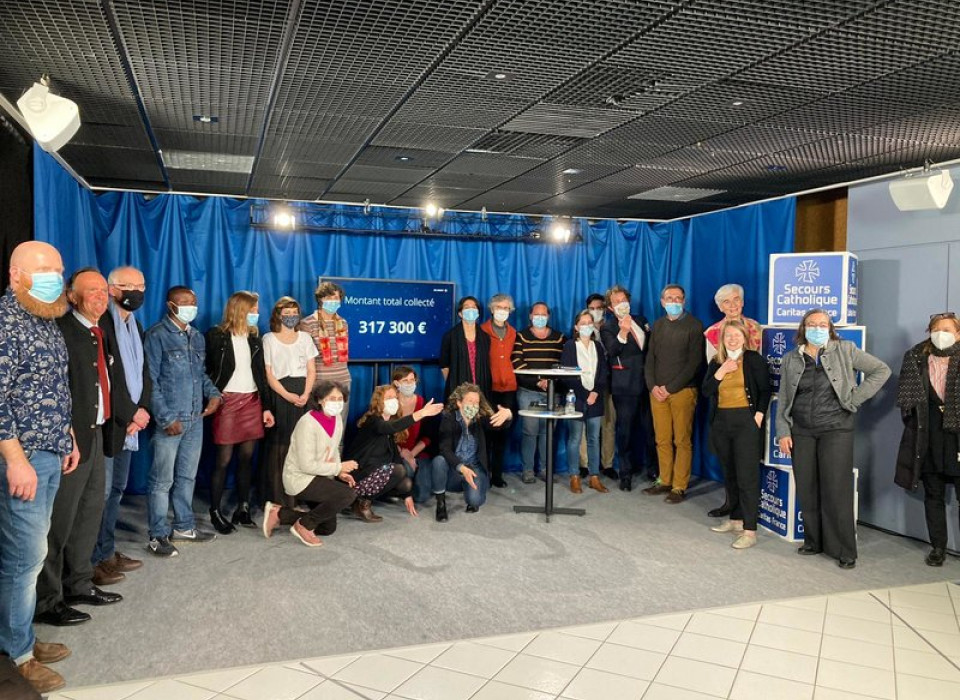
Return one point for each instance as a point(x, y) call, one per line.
point(575, 485)
point(363, 510)
point(105, 575)
point(43, 679)
point(596, 484)
point(50, 652)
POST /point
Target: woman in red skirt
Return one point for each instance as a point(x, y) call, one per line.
point(235, 366)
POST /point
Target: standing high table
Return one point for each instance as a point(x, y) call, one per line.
point(549, 415)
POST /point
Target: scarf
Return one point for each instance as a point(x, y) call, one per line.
point(131, 354)
point(340, 338)
point(913, 389)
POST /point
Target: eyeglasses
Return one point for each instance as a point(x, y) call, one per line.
point(943, 314)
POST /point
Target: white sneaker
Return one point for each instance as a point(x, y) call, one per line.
point(729, 526)
point(193, 535)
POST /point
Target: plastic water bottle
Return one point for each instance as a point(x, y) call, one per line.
point(571, 403)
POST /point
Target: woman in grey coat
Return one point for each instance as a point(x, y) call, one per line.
point(818, 398)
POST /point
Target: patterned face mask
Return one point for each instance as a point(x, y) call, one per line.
point(470, 411)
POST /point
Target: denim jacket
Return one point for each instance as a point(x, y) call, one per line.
point(176, 360)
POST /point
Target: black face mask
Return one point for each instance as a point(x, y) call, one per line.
point(131, 299)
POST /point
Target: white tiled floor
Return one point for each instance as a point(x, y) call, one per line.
point(897, 644)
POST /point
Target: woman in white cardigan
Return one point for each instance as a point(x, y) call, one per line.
point(313, 472)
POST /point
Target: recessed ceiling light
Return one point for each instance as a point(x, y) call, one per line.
point(572, 171)
point(205, 118)
point(404, 159)
point(499, 75)
point(737, 103)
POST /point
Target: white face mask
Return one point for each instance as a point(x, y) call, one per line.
point(407, 389)
point(333, 408)
point(734, 354)
point(943, 339)
point(391, 406)
point(500, 315)
point(622, 309)
point(597, 315)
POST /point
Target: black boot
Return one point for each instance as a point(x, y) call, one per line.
point(936, 557)
point(220, 523)
point(442, 508)
point(241, 516)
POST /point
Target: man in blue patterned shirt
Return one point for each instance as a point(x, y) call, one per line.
point(36, 446)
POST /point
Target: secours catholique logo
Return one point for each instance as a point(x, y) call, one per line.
point(807, 271)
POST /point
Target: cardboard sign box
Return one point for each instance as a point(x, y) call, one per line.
point(802, 281)
point(777, 341)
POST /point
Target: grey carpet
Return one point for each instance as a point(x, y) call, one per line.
point(244, 600)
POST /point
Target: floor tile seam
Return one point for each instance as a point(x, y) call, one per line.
point(689, 690)
point(477, 675)
point(194, 685)
point(919, 633)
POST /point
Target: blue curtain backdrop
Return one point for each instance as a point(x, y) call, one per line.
point(210, 245)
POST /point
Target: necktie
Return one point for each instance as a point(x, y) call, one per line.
point(102, 371)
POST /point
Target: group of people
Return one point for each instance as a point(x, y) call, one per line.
point(80, 380)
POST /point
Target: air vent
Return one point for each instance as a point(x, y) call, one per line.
point(542, 146)
point(199, 160)
point(675, 194)
point(564, 120)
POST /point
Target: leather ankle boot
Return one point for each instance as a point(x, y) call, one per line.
point(575, 484)
point(362, 509)
point(442, 508)
point(241, 516)
point(220, 523)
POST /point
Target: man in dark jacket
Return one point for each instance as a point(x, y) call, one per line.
point(67, 575)
point(625, 338)
point(130, 401)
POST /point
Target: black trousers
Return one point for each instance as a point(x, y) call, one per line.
point(934, 506)
point(737, 442)
point(497, 440)
point(327, 497)
point(823, 468)
point(74, 527)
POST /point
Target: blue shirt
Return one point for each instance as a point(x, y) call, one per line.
point(467, 449)
point(176, 362)
point(35, 401)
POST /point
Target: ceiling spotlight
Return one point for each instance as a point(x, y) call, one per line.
point(432, 210)
point(572, 171)
point(282, 217)
point(560, 230)
point(404, 158)
point(737, 103)
point(499, 75)
point(205, 118)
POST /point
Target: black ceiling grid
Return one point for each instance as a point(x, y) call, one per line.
point(398, 101)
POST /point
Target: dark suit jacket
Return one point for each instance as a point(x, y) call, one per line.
point(84, 379)
point(122, 405)
point(625, 360)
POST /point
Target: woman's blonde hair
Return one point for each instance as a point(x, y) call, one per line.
point(235, 313)
point(721, 348)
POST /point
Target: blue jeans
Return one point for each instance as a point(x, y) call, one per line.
point(447, 479)
point(534, 431)
point(117, 471)
point(574, 434)
point(23, 548)
point(422, 479)
point(175, 460)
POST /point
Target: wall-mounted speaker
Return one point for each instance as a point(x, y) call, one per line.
point(929, 190)
point(53, 120)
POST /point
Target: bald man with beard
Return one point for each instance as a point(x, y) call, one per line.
point(36, 448)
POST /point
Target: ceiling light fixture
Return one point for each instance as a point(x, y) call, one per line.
point(499, 75)
point(560, 230)
point(205, 118)
point(737, 103)
point(53, 120)
point(432, 210)
point(572, 171)
point(404, 158)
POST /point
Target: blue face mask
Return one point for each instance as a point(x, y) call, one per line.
point(470, 315)
point(585, 331)
point(817, 336)
point(46, 286)
point(331, 307)
point(185, 314)
point(253, 319)
point(539, 321)
point(673, 309)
